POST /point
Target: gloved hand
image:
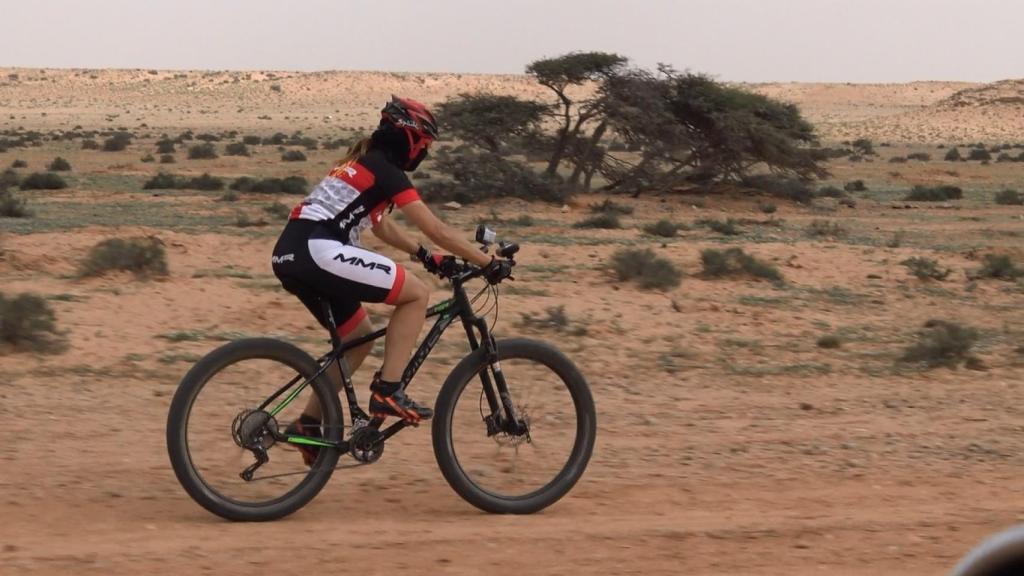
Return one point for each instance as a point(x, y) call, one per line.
point(430, 261)
point(497, 270)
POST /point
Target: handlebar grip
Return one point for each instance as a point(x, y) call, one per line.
point(508, 250)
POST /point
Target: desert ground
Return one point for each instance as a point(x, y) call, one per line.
point(729, 440)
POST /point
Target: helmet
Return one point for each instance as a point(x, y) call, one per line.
point(415, 121)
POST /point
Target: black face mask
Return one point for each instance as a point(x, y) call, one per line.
point(413, 164)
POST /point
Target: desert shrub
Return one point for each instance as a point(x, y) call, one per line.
point(830, 192)
point(59, 165)
point(825, 228)
point(554, 318)
point(208, 137)
point(28, 323)
point(43, 181)
point(293, 156)
point(926, 268)
point(942, 193)
point(18, 163)
point(236, 149)
point(147, 159)
point(898, 160)
point(864, 146)
point(664, 228)
point(609, 207)
point(251, 140)
point(11, 206)
point(736, 262)
point(229, 196)
point(786, 187)
point(605, 221)
point(205, 182)
point(242, 220)
point(725, 227)
point(979, 154)
point(165, 146)
point(277, 210)
point(829, 341)
point(9, 178)
point(167, 159)
point(141, 256)
point(921, 156)
point(277, 139)
point(767, 207)
point(164, 181)
point(953, 155)
point(855, 186)
point(90, 144)
point(647, 269)
point(475, 177)
point(288, 185)
point(998, 266)
point(1005, 157)
point(117, 142)
point(202, 152)
point(941, 343)
point(1009, 197)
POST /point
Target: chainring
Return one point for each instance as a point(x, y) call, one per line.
point(363, 445)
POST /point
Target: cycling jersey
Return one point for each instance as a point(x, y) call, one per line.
point(354, 197)
point(318, 257)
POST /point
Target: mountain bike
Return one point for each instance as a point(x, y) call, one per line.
point(513, 429)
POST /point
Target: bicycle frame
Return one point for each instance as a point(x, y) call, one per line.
point(502, 413)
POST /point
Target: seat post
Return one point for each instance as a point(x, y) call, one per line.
point(332, 326)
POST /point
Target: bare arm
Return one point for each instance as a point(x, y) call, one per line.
point(441, 234)
point(394, 235)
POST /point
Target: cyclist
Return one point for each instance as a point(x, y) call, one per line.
point(319, 257)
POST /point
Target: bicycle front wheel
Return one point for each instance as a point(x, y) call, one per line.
point(216, 427)
point(515, 472)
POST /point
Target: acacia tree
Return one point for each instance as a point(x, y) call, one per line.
point(490, 120)
point(692, 128)
point(559, 74)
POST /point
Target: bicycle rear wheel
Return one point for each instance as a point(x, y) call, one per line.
point(520, 472)
point(215, 421)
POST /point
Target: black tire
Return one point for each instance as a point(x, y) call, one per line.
point(181, 406)
point(586, 427)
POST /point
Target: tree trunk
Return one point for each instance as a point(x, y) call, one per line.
point(563, 135)
point(584, 163)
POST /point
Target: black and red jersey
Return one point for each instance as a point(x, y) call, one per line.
point(354, 197)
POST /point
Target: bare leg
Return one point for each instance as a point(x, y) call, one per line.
point(354, 358)
point(404, 327)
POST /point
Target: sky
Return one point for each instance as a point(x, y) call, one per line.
point(733, 40)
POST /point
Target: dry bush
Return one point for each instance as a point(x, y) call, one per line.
point(11, 206)
point(926, 268)
point(205, 151)
point(1009, 197)
point(43, 181)
point(649, 270)
point(606, 221)
point(942, 343)
point(999, 266)
point(554, 318)
point(825, 229)
point(293, 156)
point(142, 256)
point(664, 228)
point(609, 207)
point(59, 165)
point(236, 149)
point(934, 193)
point(725, 227)
point(287, 185)
point(28, 323)
point(733, 262)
